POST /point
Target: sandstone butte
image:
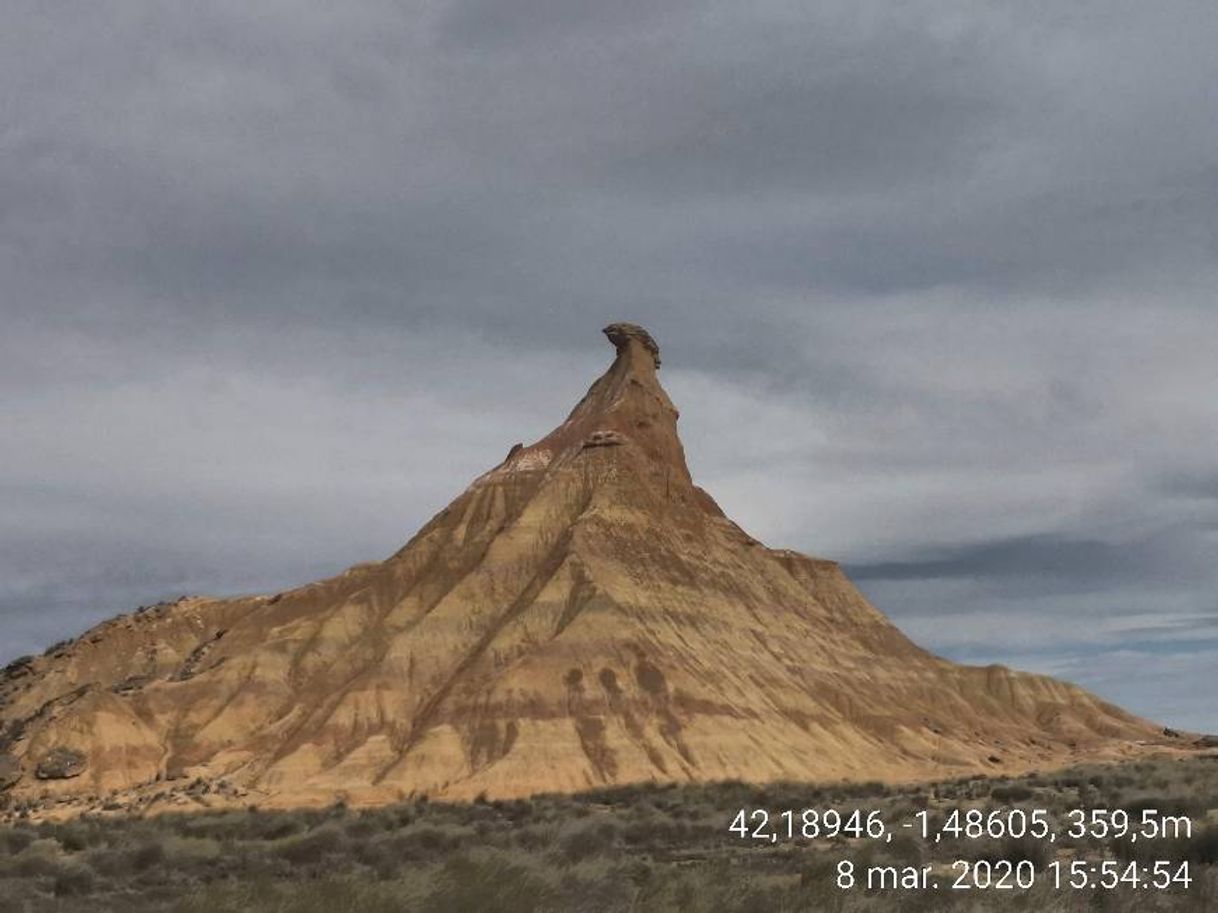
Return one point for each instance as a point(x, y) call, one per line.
point(581, 615)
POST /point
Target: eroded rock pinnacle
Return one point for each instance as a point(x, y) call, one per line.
point(621, 333)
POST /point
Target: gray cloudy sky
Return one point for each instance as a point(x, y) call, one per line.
point(934, 284)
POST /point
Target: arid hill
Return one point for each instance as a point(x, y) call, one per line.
point(582, 614)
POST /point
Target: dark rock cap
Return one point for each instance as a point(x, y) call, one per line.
point(621, 333)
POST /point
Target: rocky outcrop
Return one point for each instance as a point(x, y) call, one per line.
point(605, 439)
point(132, 684)
point(582, 614)
point(195, 660)
point(61, 764)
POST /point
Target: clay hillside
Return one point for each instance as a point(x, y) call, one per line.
point(582, 614)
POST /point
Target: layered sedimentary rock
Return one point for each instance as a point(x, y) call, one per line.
point(582, 614)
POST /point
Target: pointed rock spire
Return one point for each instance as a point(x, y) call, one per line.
point(625, 407)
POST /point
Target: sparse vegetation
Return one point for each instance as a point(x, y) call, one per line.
point(629, 849)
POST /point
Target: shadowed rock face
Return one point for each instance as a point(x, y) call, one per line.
point(581, 614)
point(10, 771)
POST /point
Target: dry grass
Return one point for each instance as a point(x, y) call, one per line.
point(631, 849)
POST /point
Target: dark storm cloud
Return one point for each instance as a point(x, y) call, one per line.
point(1200, 485)
point(934, 286)
point(1047, 561)
point(484, 24)
point(228, 154)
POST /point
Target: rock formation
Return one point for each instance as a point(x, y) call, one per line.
point(61, 763)
point(582, 614)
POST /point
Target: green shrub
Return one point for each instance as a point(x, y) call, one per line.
point(905, 849)
point(278, 827)
point(313, 847)
point(73, 881)
point(483, 881)
point(535, 837)
point(14, 840)
point(1203, 849)
point(39, 859)
point(1008, 795)
point(72, 838)
point(586, 840)
point(147, 856)
point(427, 842)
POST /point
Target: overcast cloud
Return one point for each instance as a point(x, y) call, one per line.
point(934, 285)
